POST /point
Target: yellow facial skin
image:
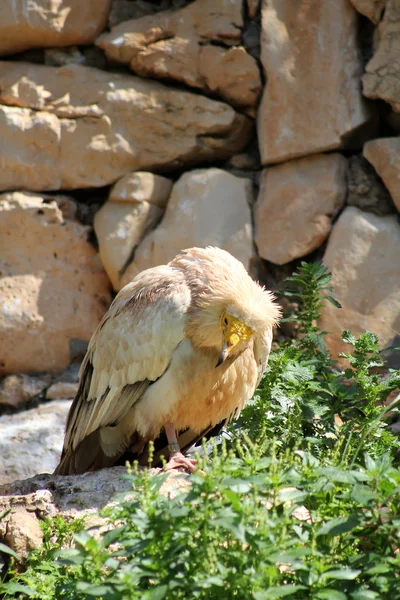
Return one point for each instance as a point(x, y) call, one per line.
point(234, 332)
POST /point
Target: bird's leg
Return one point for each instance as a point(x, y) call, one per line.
point(176, 458)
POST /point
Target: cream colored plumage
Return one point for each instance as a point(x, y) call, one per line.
point(151, 365)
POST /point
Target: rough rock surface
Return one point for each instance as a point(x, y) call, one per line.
point(124, 10)
point(17, 390)
point(365, 189)
point(72, 496)
point(363, 255)
point(135, 205)
point(296, 204)
point(304, 111)
point(142, 186)
point(384, 155)
point(370, 8)
point(62, 390)
point(31, 441)
point(50, 23)
point(53, 290)
point(76, 127)
point(382, 77)
point(207, 207)
point(191, 45)
point(253, 6)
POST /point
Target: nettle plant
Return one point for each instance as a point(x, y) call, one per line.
point(299, 499)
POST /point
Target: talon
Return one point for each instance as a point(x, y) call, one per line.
point(178, 461)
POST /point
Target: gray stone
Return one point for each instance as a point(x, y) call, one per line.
point(31, 441)
point(61, 390)
point(365, 189)
point(17, 390)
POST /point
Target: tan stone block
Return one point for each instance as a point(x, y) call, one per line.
point(312, 101)
point(207, 207)
point(47, 23)
point(296, 204)
point(76, 127)
point(53, 289)
point(382, 73)
point(181, 45)
point(363, 256)
point(142, 186)
point(120, 227)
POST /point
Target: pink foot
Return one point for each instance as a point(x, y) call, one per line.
point(178, 461)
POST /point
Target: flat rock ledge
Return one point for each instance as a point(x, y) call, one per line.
point(23, 503)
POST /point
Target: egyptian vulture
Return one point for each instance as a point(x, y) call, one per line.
point(180, 351)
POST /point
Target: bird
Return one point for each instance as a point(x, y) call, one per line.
point(178, 354)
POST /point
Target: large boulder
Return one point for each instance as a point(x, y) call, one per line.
point(296, 204)
point(382, 78)
point(53, 290)
point(312, 101)
point(191, 45)
point(48, 23)
point(363, 256)
point(77, 127)
point(384, 155)
point(135, 205)
point(207, 207)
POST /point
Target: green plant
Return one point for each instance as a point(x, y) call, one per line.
point(301, 499)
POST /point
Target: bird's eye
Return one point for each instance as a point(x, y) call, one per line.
point(225, 321)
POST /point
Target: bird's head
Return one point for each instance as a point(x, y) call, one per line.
point(228, 308)
point(235, 334)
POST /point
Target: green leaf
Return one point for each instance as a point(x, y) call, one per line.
point(278, 592)
point(363, 495)
point(349, 338)
point(233, 498)
point(333, 301)
point(16, 588)
point(379, 569)
point(7, 550)
point(339, 475)
point(339, 574)
point(82, 538)
point(289, 556)
point(330, 594)
point(111, 536)
point(69, 556)
point(364, 595)
point(340, 525)
point(290, 495)
point(158, 593)
point(98, 591)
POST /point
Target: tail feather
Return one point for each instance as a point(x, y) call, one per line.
point(88, 456)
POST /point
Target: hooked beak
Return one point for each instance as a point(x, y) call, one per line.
point(223, 354)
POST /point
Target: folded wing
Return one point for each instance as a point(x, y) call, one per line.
point(131, 349)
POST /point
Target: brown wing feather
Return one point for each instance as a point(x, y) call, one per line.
point(131, 348)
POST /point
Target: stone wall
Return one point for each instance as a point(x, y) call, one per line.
point(130, 129)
